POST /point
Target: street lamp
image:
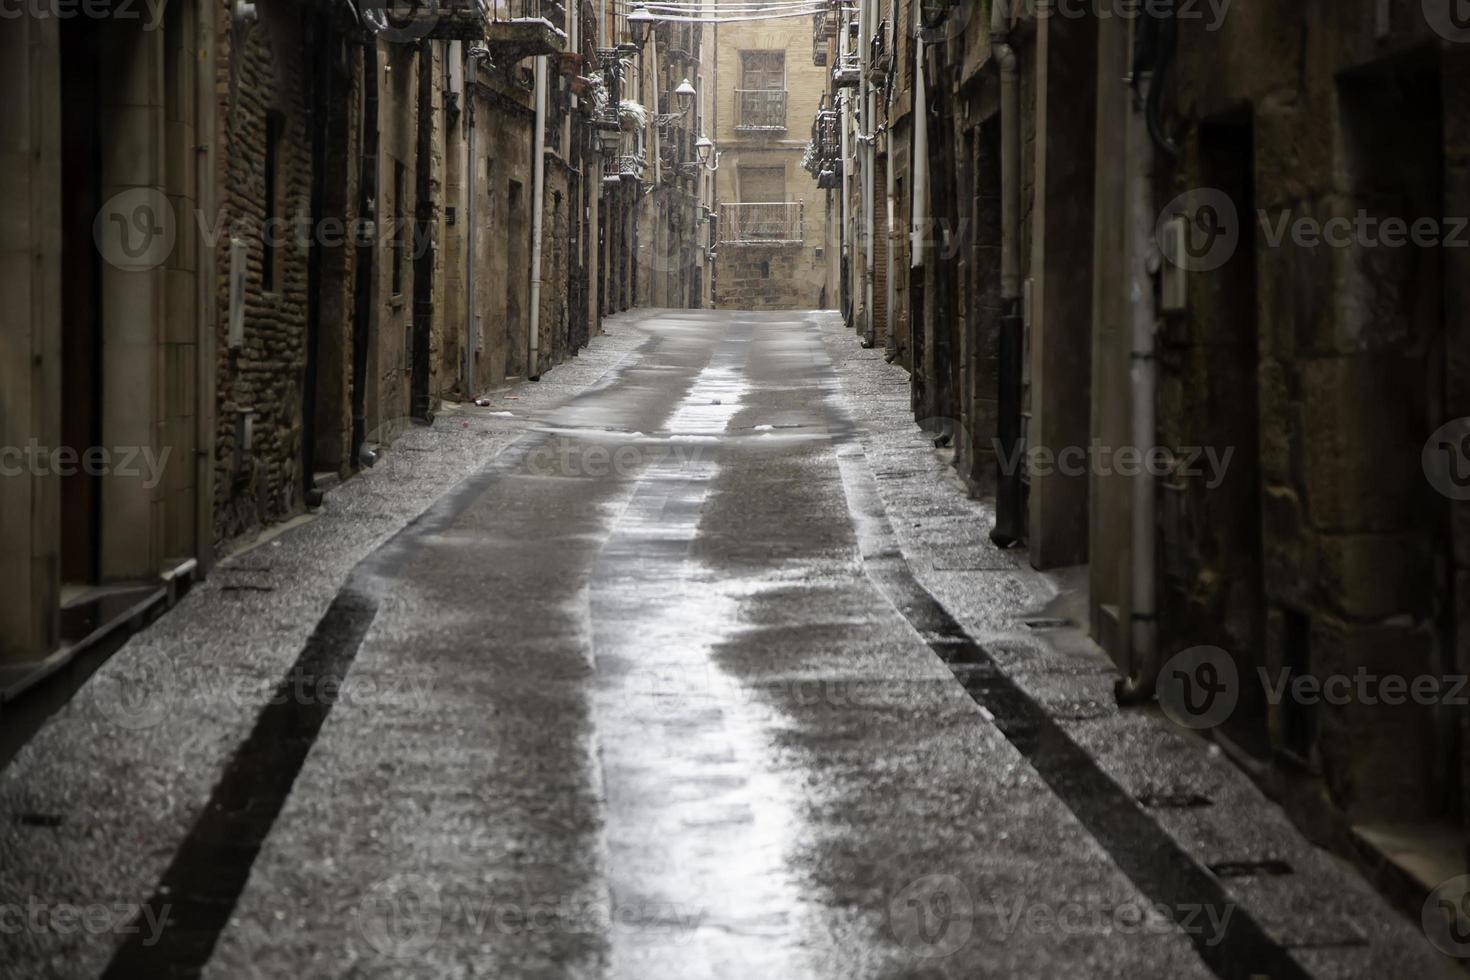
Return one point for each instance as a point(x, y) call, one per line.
point(638, 23)
point(684, 95)
point(703, 148)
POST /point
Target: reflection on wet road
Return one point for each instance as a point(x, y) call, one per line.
point(688, 721)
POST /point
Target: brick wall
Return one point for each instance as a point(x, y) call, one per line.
point(261, 76)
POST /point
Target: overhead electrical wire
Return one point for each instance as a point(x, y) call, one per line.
point(715, 11)
point(717, 4)
point(707, 11)
point(739, 19)
point(723, 8)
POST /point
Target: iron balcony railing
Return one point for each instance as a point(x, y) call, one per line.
point(761, 223)
point(525, 28)
point(413, 20)
point(760, 109)
point(554, 11)
point(627, 166)
point(827, 131)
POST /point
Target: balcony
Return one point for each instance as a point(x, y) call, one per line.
point(760, 110)
point(846, 73)
point(526, 29)
point(627, 168)
point(777, 223)
point(413, 20)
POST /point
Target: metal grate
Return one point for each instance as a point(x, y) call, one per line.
point(761, 223)
point(760, 109)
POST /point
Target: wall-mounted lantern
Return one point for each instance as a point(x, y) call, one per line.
point(639, 21)
point(684, 95)
point(704, 148)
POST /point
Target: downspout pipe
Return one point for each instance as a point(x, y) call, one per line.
point(538, 202)
point(1010, 522)
point(890, 344)
point(573, 45)
point(870, 326)
point(846, 211)
point(1010, 148)
point(1137, 686)
point(870, 161)
point(919, 212)
point(204, 298)
point(890, 313)
point(471, 172)
point(594, 239)
point(860, 156)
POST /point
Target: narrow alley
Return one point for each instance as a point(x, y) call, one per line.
point(683, 680)
point(730, 489)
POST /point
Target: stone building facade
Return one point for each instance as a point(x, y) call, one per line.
point(106, 365)
point(1162, 287)
point(248, 245)
point(771, 219)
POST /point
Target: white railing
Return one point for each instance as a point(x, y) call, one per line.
point(760, 109)
point(778, 222)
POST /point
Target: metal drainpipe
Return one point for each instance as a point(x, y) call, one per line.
point(890, 298)
point(594, 251)
point(891, 180)
point(538, 201)
point(1010, 522)
point(1138, 685)
point(919, 210)
point(573, 9)
point(865, 242)
point(471, 70)
point(848, 256)
point(204, 382)
point(870, 125)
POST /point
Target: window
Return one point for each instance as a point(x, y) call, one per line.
point(760, 102)
point(763, 71)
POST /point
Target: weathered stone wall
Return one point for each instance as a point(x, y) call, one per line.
point(794, 280)
point(262, 73)
point(768, 277)
point(503, 245)
point(556, 261)
point(30, 358)
point(1324, 369)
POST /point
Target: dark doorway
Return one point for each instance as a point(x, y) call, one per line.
point(1214, 535)
point(326, 427)
point(366, 257)
point(1399, 383)
point(425, 218)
